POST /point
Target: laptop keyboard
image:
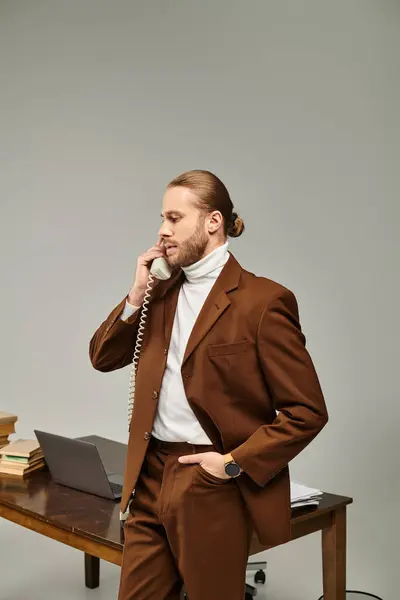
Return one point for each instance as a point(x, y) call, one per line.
point(116, 487)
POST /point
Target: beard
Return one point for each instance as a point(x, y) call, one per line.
point(191, 250)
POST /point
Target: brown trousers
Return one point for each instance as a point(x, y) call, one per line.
point(185, 526)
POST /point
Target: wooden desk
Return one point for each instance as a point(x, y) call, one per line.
point(91, 524)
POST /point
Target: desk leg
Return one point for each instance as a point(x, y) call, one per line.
point(334, 557)
point(92, 571)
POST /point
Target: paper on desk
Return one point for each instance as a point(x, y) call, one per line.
point(302, 495)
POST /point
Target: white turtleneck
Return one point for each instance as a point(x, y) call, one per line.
point(175, 421)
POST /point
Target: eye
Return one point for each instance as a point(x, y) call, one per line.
point(171, 219)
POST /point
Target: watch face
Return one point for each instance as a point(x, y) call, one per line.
point(232, 469)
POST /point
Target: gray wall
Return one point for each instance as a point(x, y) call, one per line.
point(293, 105)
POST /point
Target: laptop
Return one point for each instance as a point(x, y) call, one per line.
point(77, 464)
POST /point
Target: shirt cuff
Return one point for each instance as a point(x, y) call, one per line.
point(129, 310)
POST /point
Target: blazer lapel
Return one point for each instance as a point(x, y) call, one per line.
point(215, 304)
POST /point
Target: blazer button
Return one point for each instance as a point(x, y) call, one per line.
point(147, 435)
point(155, 395)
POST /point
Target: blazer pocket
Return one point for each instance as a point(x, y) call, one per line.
point(225, 349)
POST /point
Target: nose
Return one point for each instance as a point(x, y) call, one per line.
point(164, 231)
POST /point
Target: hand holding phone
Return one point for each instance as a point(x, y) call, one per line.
point(160, 268)
point(153, 260)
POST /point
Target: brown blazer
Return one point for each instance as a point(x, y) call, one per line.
point(245, 360)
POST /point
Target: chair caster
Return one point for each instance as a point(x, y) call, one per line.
point(259, 577)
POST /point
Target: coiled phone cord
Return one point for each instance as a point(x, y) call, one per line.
point(132, 379)
point(136, 354)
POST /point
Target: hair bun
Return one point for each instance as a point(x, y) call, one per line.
point(236, 226)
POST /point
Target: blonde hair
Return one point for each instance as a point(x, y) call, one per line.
point(212, 195)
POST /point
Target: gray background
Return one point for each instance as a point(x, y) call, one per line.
point(295, 106)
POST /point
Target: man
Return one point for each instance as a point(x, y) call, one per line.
point(226, 395)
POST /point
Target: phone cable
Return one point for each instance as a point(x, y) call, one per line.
point(136, 354)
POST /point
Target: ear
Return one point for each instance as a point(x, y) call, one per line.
point(214, 221)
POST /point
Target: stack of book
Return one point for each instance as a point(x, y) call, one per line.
point(7, 427)
point(21, 457)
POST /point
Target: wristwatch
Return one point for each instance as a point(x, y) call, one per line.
point(231, 467)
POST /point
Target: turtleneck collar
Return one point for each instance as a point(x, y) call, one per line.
point(205, 267)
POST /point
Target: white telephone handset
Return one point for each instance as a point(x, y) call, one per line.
point(159, 269)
